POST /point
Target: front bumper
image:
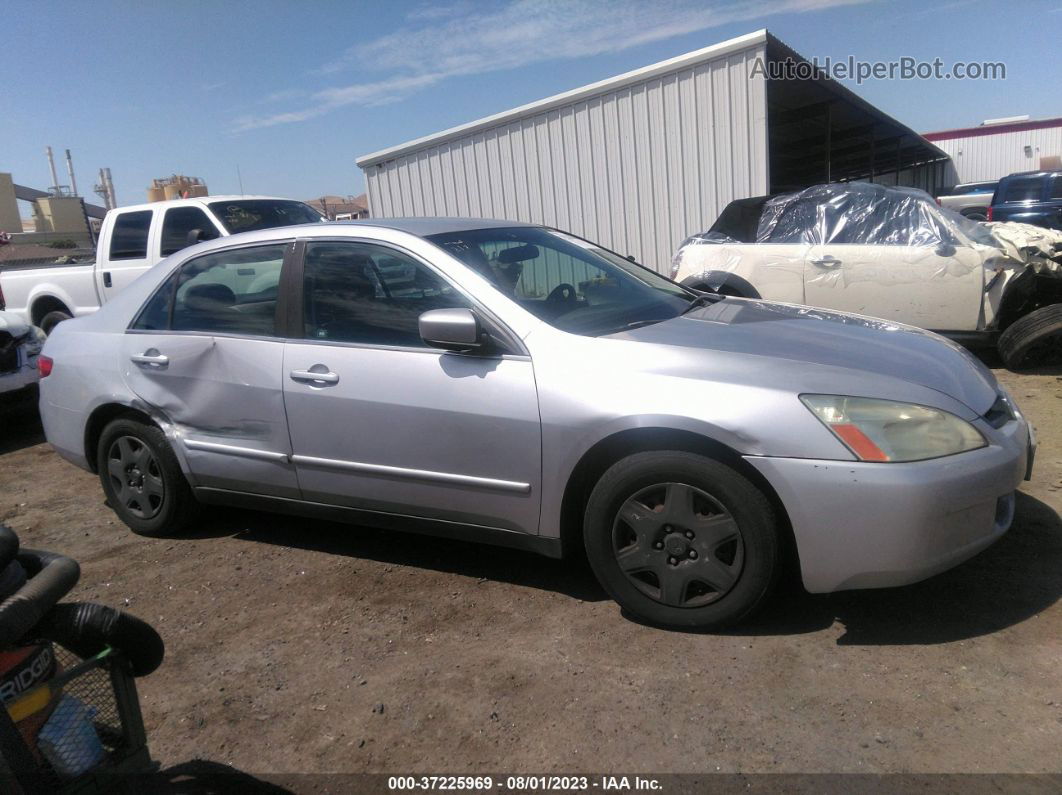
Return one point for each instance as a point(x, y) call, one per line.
point(869, 525)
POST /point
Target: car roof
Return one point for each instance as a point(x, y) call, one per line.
point(424, 227)
point(197, 201)
point(1032, 174)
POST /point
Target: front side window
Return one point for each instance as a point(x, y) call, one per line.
point(178, 223)
point(248, 215)
point(570, 283)
point(129, 239)
point(357, 292)
point(1056, 187)
point(231, 292)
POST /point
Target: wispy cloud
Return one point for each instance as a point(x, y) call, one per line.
point(467, 40)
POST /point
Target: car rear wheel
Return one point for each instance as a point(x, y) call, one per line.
point(142, 479)
point(1034, 340)
point(681, 540)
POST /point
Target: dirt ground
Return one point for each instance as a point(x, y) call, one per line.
point(297, 646)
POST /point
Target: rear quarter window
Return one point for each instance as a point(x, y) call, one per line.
point(1023, 189)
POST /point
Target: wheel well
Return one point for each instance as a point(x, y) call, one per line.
point(45, 304)
point(639, 440)
point(98, 420)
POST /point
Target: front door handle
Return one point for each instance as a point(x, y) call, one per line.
point(312, 377)
point(150, 357)
point(106, 278)
point(826, 262)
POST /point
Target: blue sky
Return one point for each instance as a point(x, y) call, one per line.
point(292, 93)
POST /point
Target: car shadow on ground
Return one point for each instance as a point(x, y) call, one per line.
point(465, 558)
point(20, 427)
point(1014, 579)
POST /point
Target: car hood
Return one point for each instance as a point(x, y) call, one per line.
point(13, 324)
point(819, 337)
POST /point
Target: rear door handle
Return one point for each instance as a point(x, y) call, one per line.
point(106, 278)
point(826, 262)
point(308, 376)
point(152, 358)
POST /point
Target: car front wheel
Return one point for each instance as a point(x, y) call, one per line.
point(681, 540)
point(142, 479)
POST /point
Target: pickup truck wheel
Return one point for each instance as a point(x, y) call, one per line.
point(53, 319)
point(1033, 340)
point(977, 215)
point(681, 540)
point(142, 479)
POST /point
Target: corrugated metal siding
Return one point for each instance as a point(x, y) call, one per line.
point(637, 169)
point(985, 157)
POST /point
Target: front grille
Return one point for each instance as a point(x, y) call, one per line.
point(8, 353)
point(1000, 414)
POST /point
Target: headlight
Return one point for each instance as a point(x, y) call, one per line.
point(883, 430)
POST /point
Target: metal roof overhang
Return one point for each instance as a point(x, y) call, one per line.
point(821, 131)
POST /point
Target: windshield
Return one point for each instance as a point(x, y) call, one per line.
point(570, 283)
point(247, 215)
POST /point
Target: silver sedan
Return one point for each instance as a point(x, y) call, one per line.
point(518, 385)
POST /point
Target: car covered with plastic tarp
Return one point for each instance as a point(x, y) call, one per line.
point(890, 253)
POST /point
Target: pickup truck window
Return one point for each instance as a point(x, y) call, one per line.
point(247, 215)
point(130, 236)
point(1056, 187)
point(176, 225)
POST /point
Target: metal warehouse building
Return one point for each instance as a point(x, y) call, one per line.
point(995, 149)
point(639, 161)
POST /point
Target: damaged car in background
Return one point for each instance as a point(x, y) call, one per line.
point(20, 345)
point(889, 253)
point(513, 384)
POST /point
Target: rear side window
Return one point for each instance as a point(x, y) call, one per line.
point(130, 236)
point(231, 292)
point(155, 316)
point(1023, 189)
point(178, 223)
point(1056, 187)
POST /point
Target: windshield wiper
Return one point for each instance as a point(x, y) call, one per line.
point(703, 300)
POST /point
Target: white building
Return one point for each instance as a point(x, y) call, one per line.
point(994, 149)
point(640, 161)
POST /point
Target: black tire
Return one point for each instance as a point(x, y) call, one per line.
point(976, 215)
point(723, 289)
point(142, 479)
point(1033, 340)
point(685, 574)
point(53, 319)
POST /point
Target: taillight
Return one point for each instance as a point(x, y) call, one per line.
point(44, 365)
point(989, 214)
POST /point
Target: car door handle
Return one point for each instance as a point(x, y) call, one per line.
point(106, 278)
point(826, 262)
point(151, 359)
point(308, 376)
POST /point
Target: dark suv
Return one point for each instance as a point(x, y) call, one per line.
point(1031, 197)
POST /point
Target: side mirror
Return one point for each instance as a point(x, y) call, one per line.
point(194, 236)
point(452, 330)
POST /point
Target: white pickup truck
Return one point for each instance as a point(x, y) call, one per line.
point(133, 239)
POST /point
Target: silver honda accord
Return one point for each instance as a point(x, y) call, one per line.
point(522, 386)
